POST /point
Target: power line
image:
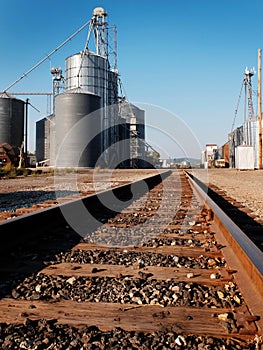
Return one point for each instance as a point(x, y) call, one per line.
point(47, 56)
point(239, 97)
point(28, 93)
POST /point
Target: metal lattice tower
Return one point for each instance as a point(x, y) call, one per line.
point(99, 27)
point(105, 37)
point(248, 106)
point(248, 100)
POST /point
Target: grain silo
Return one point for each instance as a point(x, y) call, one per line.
point(45, 141)
point(78, 130)
point(91, 83)
point(11, 120)
point(87, 72)
point(91, 72)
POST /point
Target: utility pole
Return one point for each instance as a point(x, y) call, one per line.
point(259, 112)
point(26, 131)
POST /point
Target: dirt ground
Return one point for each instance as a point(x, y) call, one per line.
point(25, 194)
point(245, 186)
point(18, 195)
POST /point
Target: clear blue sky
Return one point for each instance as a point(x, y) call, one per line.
point(186, 57)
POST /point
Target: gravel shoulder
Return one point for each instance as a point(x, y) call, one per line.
point(244, 186)
point(24, 194)
point(17, 194)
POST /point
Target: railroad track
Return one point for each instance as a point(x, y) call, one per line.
point(239, 213)
point(149, 267)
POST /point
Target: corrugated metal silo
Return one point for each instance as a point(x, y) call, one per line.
point(251, 136)
point(12, 121)
point(77, 130)
point(88, 73)
point(51, 125)
point(40, 139)
point(250, 131)
point(235, 138)
point(45, 144)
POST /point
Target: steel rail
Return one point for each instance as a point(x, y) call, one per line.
point(18, 229)
point(192, 320)
point(241, 254)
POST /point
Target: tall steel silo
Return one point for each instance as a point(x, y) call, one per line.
point(45, 144)
point(51, 125)
point(12, 121)
point(77, 129)
point(40, 139)
point(88, 73)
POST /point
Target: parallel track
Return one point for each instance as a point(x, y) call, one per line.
point(167, 270)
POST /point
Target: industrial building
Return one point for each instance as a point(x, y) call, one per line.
point(240, 151)
point(243, 150)
point(245, 142)
point(92, 123)
point(134, 118)
point(209, 155)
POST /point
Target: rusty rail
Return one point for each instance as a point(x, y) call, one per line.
point(19, 229)
point(240, 252)
point(188, 262)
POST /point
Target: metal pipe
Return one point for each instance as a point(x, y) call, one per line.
point(259, 112)
point(26, 131)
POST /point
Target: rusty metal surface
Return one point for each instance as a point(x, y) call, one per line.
point(187, 252)
point(241, 254)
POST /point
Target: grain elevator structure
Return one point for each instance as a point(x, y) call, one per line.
point(91, 125)
point(12, 120)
